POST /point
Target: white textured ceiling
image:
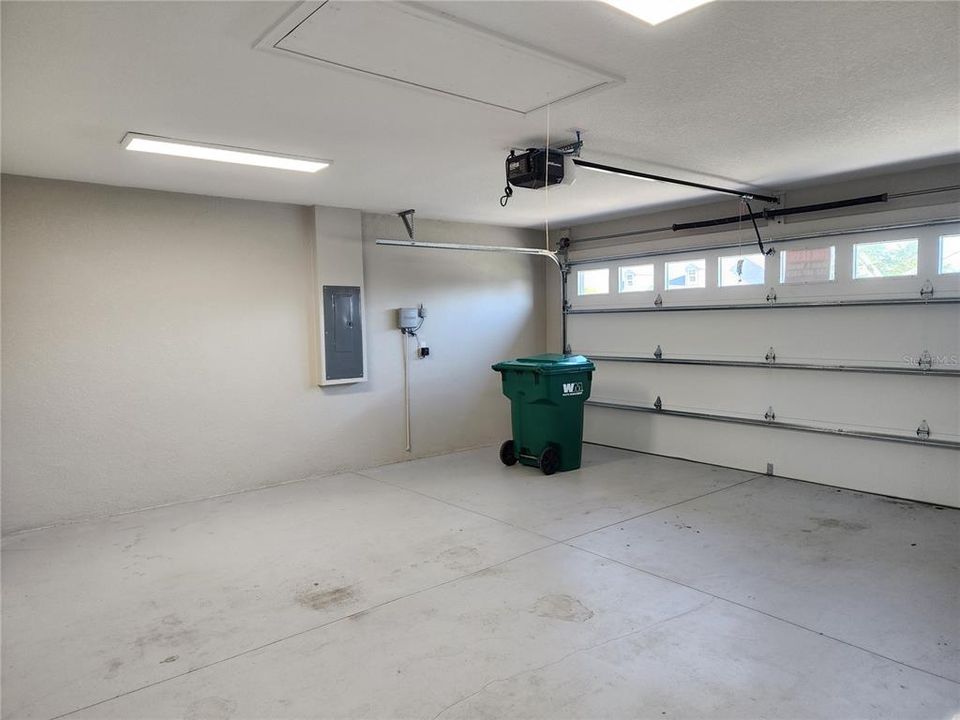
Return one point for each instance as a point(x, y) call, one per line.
point(767, 93)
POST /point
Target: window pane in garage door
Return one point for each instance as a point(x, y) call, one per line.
point(741, 270)
point(808, 266)
point(949, 254)
point(593, 282)
point(686, 274)
point(636, 278)
point(892, 258)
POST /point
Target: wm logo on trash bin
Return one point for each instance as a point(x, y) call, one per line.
point(572, 389)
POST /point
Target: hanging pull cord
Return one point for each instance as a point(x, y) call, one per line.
point(507, 190)
point(768, 251)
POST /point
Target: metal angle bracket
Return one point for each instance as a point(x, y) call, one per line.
point(562, 254)
point(926, 360)
point(770, 415)
point(926, 291)
point(658, 353)
point(571, 148)
point(407, 217)
point(923, 430)
point(771, 356)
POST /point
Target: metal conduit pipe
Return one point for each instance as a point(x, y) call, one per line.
point(769, 306)
point(552, 256)
point(777, 425)
point(928, 191)
point(879, 369)
point(730, 246)
point(558, 259)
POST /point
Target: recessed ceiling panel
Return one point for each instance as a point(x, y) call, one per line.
point(411, 44)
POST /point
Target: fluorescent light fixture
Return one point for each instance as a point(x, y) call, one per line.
point(220, 153)
point(655, 11)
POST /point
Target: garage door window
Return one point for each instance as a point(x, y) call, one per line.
point(893, 258)
point(741, 270)
point(636, 278)
point(683, 274)
point(949, 254)
point(593, 282)
point(812, 265)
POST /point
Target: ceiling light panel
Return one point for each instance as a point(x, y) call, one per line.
point(655, 11)
point(220, 153)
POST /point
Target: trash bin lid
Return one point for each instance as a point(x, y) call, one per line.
point(548, 364)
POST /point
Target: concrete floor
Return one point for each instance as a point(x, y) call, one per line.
point(452, 587)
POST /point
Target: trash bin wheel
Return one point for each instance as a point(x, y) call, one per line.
point(507, 456)
point(549, 460)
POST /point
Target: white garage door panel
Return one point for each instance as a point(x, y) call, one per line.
point(925, 474)
point(865, 402)
point(869, 335)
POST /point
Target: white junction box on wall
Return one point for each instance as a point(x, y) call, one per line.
point(408, 318)
point(338, 239)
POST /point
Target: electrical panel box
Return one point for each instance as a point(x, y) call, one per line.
point(338, 358)
point(408, 318)
point(342, 332)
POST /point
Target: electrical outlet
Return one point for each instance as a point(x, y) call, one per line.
point(423, 352)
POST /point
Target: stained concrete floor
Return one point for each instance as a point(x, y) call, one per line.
point(452, 587)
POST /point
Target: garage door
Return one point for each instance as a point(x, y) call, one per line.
point(834, 359)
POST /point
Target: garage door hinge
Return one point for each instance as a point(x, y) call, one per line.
point(658, 301)
point(658, 403)
point(926, 360)
point(771, 356)
point(658, 353)
point(927, 290)
point(772, 296)
point(923, 431)
point(769, 415)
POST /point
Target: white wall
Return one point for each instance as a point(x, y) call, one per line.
point(870, 335)
point(157, 347)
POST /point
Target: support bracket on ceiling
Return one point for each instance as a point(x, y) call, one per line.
point(407, 217)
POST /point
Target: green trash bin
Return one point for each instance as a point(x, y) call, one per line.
point(547, 393)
